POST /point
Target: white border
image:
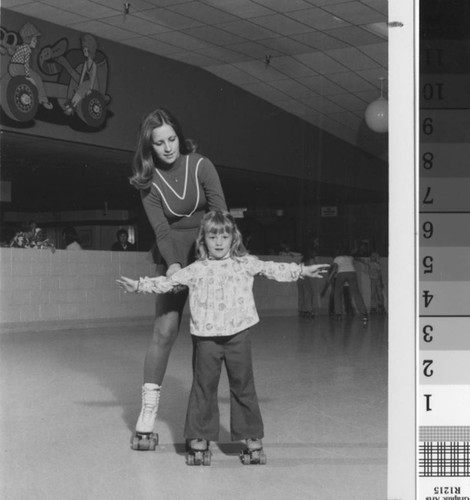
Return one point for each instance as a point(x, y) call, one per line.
point(402, 472)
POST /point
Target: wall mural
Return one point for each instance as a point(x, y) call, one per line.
point(71, 82)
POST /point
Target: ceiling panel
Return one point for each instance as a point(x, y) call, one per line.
point(353, 58)
point(169, 19)
point(323, 85)
point(137, 25)
point(47, 12)
point(321, 62)
point(91, 10)
point(354, 36)
point(232, 74)
point(245, 9)
point(355, 13)
point(292, 68)
point(203, 13)
point(281, 24)
point(248, 30)
point(318, 19)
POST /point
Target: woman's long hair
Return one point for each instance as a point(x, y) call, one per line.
point(218, 222)
point(144, 160)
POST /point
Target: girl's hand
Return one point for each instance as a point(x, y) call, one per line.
point(315, 271)
point(127, 284)
point(173, 269)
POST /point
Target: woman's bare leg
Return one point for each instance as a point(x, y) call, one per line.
point(169, 309)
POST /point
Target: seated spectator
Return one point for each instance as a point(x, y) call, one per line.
point(122, 244)
point(72, 242)
point(31, 236)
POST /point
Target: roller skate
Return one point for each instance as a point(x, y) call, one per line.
point(198, 452)
point(145, 438)
point(253, 452)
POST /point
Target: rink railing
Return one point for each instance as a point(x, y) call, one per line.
point(40, 289)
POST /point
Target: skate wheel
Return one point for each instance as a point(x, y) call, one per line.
point(190, 459)
point(246, 459)
point(198, 458)
point(144, 442)
point(206, 458)
point(262, 458)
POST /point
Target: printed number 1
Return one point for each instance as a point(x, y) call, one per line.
point(428, 401)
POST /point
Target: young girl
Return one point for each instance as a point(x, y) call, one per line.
point(222, 310)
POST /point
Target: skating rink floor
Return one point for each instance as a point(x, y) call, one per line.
point(70, 399)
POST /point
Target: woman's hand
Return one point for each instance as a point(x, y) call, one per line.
point(172, 269)
point(127, 284)
point(315, 270)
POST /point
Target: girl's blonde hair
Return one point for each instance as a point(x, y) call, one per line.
point(218, 222)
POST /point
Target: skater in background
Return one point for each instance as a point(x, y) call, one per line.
point(305, 289)
point(343, 271)
point(177, 187)
point(377, 302)
point(222, 310)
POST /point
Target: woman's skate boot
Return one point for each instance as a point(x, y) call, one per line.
point(145, 438)
point(253, 452)
point(198, 452)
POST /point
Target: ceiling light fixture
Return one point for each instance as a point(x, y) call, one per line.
point(377, 112)
point(379, 29)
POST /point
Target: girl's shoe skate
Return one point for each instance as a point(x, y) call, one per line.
point(198, 452)
point(145, 438)
point(253, 453)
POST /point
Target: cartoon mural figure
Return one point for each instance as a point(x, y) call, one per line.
point(78, 85)
point(88, 78)
point(20, 62)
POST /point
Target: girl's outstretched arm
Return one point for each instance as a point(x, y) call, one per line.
point(314, 271)
point(128, 284)
point(158, 284)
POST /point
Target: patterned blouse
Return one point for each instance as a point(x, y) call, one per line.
point(221, 297)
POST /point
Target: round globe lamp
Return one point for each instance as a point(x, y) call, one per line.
point(376, 115)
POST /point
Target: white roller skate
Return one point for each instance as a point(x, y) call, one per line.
point(198, 452)
point(145, 438)
point(253, 452)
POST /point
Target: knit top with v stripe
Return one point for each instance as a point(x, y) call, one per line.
point(176, 202)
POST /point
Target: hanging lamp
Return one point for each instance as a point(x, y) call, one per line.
point(377, 112)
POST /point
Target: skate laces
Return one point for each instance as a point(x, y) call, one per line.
point(253, 443)
point(150, 399)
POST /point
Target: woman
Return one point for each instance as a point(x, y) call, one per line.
point(177, 187)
